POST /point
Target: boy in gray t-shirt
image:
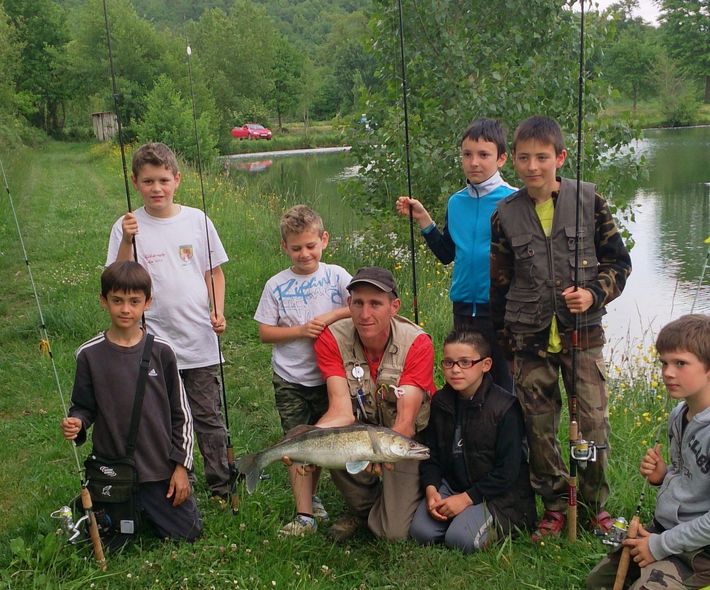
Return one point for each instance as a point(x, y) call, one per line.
point(295, 306)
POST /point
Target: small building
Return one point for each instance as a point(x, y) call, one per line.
point(105, 125)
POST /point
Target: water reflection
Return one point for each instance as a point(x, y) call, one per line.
point(672, 220)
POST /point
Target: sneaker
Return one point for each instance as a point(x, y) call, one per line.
point(550, 525)
point(299, 527)
point(601, 524)
point(345, 527)
point(319, 511)
point(221, 501)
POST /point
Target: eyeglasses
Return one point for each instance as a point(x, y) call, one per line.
point(462, 363)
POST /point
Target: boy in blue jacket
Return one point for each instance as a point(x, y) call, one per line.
point(673, 552)
point(465, 238)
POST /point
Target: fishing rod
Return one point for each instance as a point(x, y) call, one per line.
point(415, 303)
point(620, 532)
point(233, 495)
point(64, 513)
point(702, 275)
point(575, 437)
point(114, 88)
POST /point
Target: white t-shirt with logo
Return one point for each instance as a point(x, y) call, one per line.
point(174, 251)
point(290, 299)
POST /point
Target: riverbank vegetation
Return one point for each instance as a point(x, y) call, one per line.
point(66, 197)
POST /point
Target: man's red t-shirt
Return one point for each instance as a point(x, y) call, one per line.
point(418, 366)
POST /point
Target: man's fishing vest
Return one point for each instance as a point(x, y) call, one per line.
point(544, 267)
point(378, 397)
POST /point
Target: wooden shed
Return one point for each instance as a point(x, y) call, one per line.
point(105, 125)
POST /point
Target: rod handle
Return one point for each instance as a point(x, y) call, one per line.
point(572, 511)
point(93, 529)
point(625, 559)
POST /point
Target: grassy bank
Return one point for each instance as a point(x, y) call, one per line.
point(648, 113)
point(292, 136)
point(66, 198)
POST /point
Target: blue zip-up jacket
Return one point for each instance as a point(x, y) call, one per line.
point(466, 240)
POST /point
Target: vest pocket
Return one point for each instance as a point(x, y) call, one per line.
point(522, 307)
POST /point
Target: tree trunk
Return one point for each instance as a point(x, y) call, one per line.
point(707, 89)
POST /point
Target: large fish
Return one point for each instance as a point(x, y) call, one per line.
point(348, 447)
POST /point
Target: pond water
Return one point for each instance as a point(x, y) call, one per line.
point(672, 221)
point(671, 205)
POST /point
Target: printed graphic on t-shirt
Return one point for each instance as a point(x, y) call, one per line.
point(186, 253)
point(294, 291)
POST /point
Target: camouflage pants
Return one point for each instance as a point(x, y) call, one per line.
point(298, 404)
point(538, 389)
point(686, 570)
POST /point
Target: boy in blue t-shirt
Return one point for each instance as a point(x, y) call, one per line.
point(295, 307)
point(466, 236)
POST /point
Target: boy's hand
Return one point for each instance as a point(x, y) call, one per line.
point(179, 489)
point(71, 427)
point(653, 467)
point(578, 300)
point(312, 328)
point(219, 322)
point(454, 505)
point(640, 551)
point(129, 225)
point(433, 498)
point(419, 213)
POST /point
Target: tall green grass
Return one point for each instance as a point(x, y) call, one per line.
point(67, 196)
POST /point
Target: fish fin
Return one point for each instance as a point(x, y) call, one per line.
point(299, 430)
point(353, 467)
point(248, 466)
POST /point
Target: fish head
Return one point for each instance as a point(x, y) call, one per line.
point(402, 447)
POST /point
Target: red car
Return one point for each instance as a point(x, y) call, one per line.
point(251, 131)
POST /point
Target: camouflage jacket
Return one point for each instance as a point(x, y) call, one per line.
point(614, 267)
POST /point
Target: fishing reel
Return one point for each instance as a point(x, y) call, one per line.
point(583, 451)
point(617, 533)
point(71, 529)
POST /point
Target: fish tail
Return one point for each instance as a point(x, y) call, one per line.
point(249, 467)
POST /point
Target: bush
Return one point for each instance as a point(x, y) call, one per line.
point(168, 119)
point(679, 105)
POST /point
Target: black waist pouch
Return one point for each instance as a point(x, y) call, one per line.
point(113, 485)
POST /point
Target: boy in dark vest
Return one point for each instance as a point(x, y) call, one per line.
point(535, 243)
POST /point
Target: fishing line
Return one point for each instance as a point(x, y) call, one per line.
point(230, 448)
point(415, 303)
point(114, 88)
point(46, 347)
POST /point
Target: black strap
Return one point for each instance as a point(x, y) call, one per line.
point(138, 399)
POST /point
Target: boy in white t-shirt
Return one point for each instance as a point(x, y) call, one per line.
point(295, 306)
point(171, 242)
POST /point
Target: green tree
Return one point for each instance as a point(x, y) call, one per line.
point(234, 55)
point(346, 59)
point(41, 81)
point(168, 118)
point(9, 61)
point(686, 33)
point(473, 59)
point(140, 56)
point(630, 59)
point(287, 74)
point(676, 95)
